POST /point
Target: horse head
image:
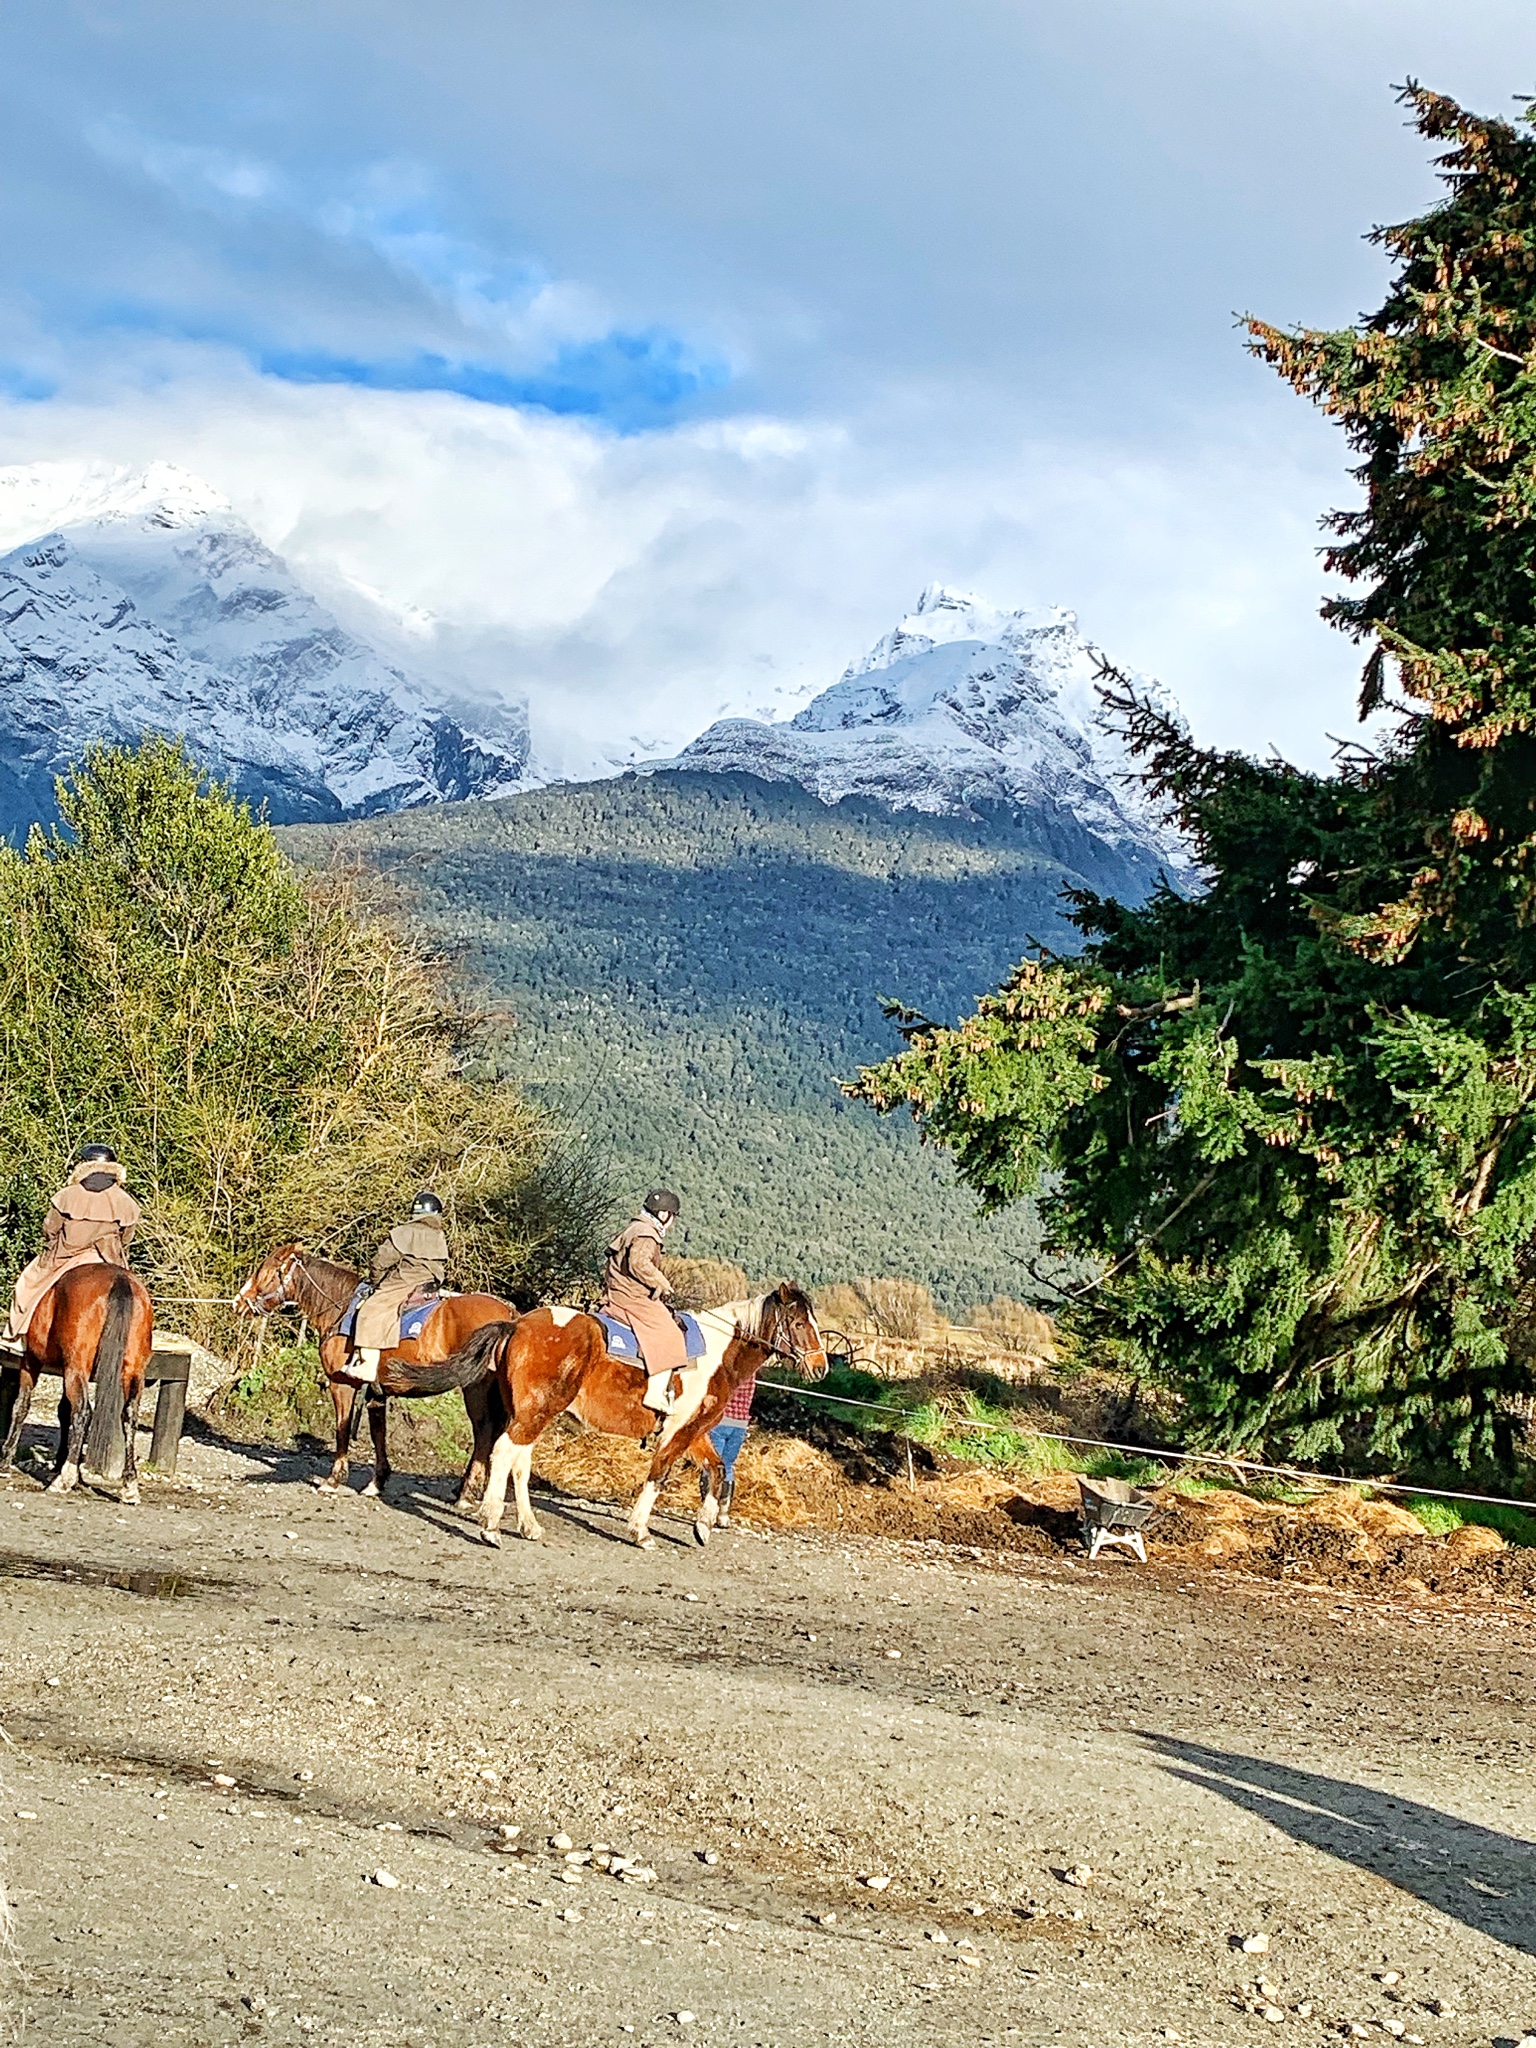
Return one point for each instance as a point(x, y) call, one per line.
point(789, 1323)
point(271, 1285)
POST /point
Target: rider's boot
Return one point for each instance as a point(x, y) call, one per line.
point(723, 1519)
point(363, 1365)
point(657, 1395)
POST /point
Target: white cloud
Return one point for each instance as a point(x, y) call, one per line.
point(637, 587)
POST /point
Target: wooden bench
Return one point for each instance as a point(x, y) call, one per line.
point(169, 1368)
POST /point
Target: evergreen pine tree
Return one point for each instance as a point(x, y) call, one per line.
point(1290, 1120)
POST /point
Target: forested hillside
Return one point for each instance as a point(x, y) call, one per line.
point(695, 959)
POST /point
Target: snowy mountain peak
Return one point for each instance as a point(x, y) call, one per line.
point(45, 495)
point(963, 705)
point(136, 601)
point(942, 616)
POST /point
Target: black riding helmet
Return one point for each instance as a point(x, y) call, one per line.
point(426, 1204)
point(662, 1202)
point(93, 1152)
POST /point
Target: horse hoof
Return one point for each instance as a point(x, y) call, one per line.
point(532, 1534)
point(129, 1497)
point(326, 1486)
point(371, 1490)
point(491, 1536)
point(644, 1542)
point(65, 1483)
point(701, 1532)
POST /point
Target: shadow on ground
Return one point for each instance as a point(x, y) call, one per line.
point(1474, 1874)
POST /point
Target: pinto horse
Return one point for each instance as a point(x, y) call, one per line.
point(94, 1321)
point(557, 1358)
point(290, 1277)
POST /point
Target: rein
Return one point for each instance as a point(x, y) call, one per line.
point(792, 1355)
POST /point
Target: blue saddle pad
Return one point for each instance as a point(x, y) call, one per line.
point(410, 1322)
point(622, 1342)
point(348, 1322)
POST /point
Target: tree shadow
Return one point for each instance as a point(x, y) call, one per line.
point(1470, 1873)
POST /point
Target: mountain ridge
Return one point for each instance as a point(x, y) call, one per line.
point(146, 604)
point(962, 705)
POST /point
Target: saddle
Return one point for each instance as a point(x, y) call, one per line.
point(413, 1314)
point(623, 1343)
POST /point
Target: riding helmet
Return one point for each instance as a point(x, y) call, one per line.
point(92, 1152)
point(662, 1202)
point(426, 1204)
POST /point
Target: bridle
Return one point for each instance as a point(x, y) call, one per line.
point(276, 1294)
point(792, 1353)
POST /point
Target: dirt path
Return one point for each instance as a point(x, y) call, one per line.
point(209, 1770)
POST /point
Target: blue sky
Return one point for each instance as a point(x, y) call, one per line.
point(660, 354)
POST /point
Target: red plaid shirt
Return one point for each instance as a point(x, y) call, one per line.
point(739, 1406)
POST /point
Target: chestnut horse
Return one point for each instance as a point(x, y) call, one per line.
point(557, 1358)
point(322, 1290)
point(95, 1320)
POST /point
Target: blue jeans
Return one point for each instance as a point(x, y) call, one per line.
point(728, 1438)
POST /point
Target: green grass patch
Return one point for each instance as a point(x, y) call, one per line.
point(282, 1395)
point(1440, 1517)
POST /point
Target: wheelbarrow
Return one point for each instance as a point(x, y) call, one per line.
point(1114, 1512)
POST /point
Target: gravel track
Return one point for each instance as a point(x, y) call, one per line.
point(1353, 1778)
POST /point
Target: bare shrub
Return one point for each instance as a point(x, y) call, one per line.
point(899, 1309)
point(705, 1283)
point(1016, 1326)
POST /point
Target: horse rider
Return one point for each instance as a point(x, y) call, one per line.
point(635, 1291)
point(413, 1257)
point(91, 1220)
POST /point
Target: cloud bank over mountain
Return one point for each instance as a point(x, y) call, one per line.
point(139, 602)
point(658, 354)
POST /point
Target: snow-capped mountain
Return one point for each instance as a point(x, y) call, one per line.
point(139, 601)
point(963, 706)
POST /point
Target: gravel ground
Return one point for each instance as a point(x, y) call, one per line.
point(232, 1710)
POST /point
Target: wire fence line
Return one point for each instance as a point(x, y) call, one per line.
point(1098, 1443)
point(1287, 1472)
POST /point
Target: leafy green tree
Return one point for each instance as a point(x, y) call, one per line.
point(1290, 1119)
point(271, 1055)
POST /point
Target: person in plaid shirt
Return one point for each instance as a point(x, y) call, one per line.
point(728, 1436)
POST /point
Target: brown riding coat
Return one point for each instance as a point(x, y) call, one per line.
point(91, 1220)
point(635, 1291)
point(413, 1255)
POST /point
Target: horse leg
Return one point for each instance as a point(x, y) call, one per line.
point(483, 1408)
point(671, 1448)
point(343, 1399)
point(511, 1458)
point(77, 1394)
point(26, 1381)
point(522, 1466)
point(711, 1485)
point(378, 1426)
point(130, 1493)
point(494, 1505)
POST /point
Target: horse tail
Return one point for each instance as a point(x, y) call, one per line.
point(107, 1375)
point(475, 1360)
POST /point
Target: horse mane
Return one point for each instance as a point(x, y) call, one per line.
point(746, 1317)
point(309, 1258)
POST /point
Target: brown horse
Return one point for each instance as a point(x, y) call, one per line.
point(95, 1320)
point(322, 1290)
point(556, 1358)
